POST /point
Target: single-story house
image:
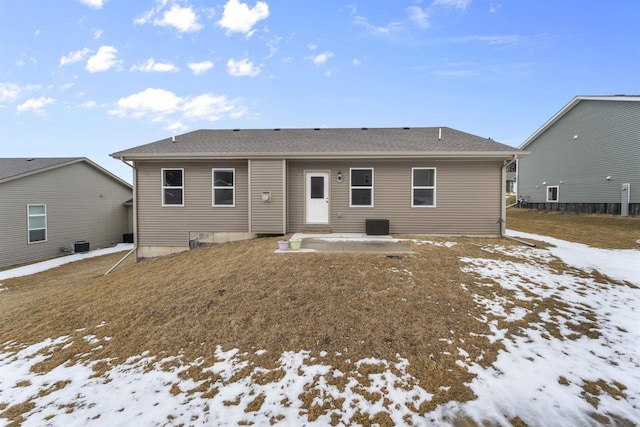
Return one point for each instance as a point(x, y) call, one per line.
point(220, 185)
point(585, 158)
point(48, 204)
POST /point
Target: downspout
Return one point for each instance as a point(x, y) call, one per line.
point(135, 219)
point(503, 199)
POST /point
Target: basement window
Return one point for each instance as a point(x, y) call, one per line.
point(37, 223)
point(552, 193)
point(224, 187)
point(361, 188)
point(423, 187)
point(172, 187)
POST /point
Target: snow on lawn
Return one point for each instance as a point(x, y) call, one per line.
point(57, 262)
point(571, 358)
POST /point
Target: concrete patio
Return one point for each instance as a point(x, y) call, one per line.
point(348, 242)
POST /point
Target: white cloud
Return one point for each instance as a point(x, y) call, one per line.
point(35, 105)
point(211, 108)
point(88, 104)
point(9, 92)
point(174, 126)
point(273, 45)
point(356, 61)
point(103, 60)
point(419, 16)
point(200, 67)
point(74, 56)
point(491, 40)
point(493, 7)
point(239, 18)
point(243, 67)
point(390, 28)
point(97, 33)
point(312, 46)
point(96, 4)
point(181, 18)
point(20, 63)
point(458, 4)
point(149, 102)
point(150, 65)
point(163, 106)
point(321, 58)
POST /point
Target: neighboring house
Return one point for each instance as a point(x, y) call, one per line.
point(510, 184)
point(49, 203)
point(585, 159)
point(219, 185)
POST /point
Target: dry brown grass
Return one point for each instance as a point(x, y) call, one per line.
point(601, 231)
point(243, 295)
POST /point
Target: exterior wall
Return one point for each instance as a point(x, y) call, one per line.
point(82, 204)
point(171, 226)
point(468, 197)
point(267, 217)
point(607, 144)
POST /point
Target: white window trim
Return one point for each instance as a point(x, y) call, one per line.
point(213, 187)
point(557, 187)
point(45, 228)
point(351, 188)
point(424, 187)
point(163, 187)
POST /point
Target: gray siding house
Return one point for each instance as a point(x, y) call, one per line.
point(219, 185)
point(49, 203)
point(585, 159)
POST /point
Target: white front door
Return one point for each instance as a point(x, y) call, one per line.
point(317, 198)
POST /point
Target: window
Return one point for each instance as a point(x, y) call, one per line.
point(552, 193)
point(172, 187)
point(224, 187)
point(361, 182)
point(37, 223)
point(423, 187)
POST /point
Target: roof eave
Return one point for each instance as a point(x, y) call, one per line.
point(70, 162)
point(341, 155)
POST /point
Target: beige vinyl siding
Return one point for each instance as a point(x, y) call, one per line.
point(82, 204)
point(468, 197)
point(267, 217)
point(606, 143)
point(159, 225)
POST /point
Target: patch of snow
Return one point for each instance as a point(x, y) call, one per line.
point(539, 377)
point(150, 391)
point(618, 264)
point(260, 352)
point(434, 243)
point(57, 262)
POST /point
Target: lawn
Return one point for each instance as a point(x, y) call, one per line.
point(463, 332)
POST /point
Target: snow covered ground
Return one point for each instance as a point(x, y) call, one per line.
point(57, 262)
point(544, 378)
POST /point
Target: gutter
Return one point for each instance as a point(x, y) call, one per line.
point(503, 199)
point(454, 155)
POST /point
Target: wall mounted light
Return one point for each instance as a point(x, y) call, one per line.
point(608, 178)
point(339, 176)
point(561, 182)
point(575, 136)
point(544, 183)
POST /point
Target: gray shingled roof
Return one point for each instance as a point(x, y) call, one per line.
point(317, 142)
point(13, 167)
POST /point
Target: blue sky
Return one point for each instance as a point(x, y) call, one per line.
point(91, 77)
